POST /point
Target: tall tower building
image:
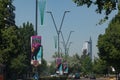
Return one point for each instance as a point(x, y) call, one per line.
point(90, 48)
point(87, 48)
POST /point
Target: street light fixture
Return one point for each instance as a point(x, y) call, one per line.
point(69, 37)
point(58, 30)
point(65, 44)
point(68, 47)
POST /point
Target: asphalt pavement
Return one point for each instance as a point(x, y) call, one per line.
point(88, 79)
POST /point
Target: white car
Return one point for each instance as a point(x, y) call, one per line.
point(54, 75)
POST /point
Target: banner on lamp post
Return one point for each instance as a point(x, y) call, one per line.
point(59, 66)
point(36, 50)
point(65, 67)
point(55, 41)
point(42, 4)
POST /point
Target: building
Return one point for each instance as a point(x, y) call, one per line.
point(87, 48)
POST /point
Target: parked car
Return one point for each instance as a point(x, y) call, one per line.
point(77, 75)
point(92, 77)
point(70, 76)
point(86, 76)
point(54, 75)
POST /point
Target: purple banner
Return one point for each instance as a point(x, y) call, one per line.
point(58, 65)
point(36, 50)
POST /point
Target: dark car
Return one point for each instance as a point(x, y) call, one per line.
point(77, 75)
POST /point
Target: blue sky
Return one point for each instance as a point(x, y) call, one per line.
point(81, 20)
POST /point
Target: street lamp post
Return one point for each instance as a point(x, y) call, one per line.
point(35, 68)
point(36, 15)
point(58, 30)
point(65, 44)
point(68, 47)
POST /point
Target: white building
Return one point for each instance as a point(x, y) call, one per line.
point(87, 46)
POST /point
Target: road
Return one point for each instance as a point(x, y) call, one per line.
point(90, 79)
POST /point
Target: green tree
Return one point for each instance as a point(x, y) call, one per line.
point(10, 48)
point(15, 51)
point(74, 63)
point(21, 63)
point(26, 31)
point(52, 68)
point(15, 48)
point(42, 68)
point(9, 44)
point(86, 64)
point(55, 55)
point(102, 5)
point(108, 43)
point(106, 6)
point(18, 66)
point(3, 14)
point(100, 66)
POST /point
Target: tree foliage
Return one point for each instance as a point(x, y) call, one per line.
point(86, 65)
point(74, 63)
point(8, 48)
point(23, 59)
point(100, 66)
point(15, 45)
point(108, 43)
point(77, 63)
point(42, 68)
point(15, 49)
point(106, 6)
point(26, 31)
point(52, 67)
point(3, 14)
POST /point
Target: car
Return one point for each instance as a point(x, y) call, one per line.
point(70, 76)
point(86, 76)
point(77, 75)
point(54, 75)
point(92, 77)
